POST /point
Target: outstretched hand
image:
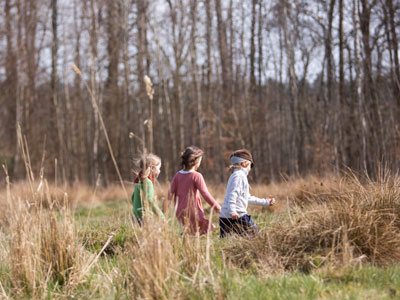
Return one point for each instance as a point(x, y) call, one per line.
point(271, 201)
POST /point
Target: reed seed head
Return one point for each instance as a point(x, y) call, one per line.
point(149, 87)
point(76, 69)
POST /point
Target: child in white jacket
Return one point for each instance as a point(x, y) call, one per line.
point(233, 216)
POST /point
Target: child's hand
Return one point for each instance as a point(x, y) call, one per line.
point(235, 216)
point(217, 209)
point(271, 201)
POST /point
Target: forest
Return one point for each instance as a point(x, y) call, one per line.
point(309, 86)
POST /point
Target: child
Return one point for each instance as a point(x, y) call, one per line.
point(233, 216)
point(150, 166)
point(185, 188)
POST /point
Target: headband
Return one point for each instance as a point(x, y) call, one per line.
point(236, 159)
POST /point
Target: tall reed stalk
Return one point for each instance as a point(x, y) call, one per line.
point(98, 112)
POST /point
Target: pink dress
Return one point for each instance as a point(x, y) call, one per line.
point(185, 188)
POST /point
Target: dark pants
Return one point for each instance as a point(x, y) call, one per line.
point(139, 220)
point(242, 226)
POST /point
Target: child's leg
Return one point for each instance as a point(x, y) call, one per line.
point(140, 221)
point(248, 225)
point(226, 226)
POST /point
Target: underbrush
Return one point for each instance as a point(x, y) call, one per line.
point(321, 241)
point(350, 225)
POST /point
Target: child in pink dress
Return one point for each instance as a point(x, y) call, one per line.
point(185, 189)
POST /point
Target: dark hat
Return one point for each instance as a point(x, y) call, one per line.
point(245, 154)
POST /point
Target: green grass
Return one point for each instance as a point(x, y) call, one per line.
point(95, 225)
point(368, 282)
point(107, 278)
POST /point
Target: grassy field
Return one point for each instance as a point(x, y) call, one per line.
point(327, 238)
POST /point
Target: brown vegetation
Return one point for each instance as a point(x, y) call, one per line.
point(329, 222)
point(340, 224)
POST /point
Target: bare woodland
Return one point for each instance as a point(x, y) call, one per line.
point(308, 86)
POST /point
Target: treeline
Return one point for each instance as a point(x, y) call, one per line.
point(308, 86)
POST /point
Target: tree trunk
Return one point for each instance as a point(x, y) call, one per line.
point(370, 93)
point(11, 87)
point(60, 145)
point(358, 87)
point(30, 22)
point(330, 71)
point(195, 75)
point(96, 130)
point(343, 119)
point(141, 42)
point(253, 47)
point(223, 51)
point(394, 46)
point(296, 140)
point(112, 94)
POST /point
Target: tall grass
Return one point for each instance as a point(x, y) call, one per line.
point(343, 222)
point(166, 259)
point(352, 223)
point(42, 248)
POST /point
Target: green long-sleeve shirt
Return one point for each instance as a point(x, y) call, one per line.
point(145, 188)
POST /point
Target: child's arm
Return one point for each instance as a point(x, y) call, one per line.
point(202, 187)
point(261, 202)
point(150, 198)
point(136, 202)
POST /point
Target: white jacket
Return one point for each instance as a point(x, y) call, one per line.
point(237, 196)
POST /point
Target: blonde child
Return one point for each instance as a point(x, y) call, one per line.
point(233, 217)
point(185, 188)
point(150, 166)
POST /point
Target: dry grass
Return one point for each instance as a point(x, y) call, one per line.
point(54, 196)
point(164, 259)
point(343, 225)
point(41, 248)
point(331, 222)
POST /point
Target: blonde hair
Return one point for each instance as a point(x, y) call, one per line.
point(145, 162)
point(242, 164)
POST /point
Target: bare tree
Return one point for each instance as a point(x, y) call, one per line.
point(358, 87)
point(294, 102)
point(11, 84)
point(195, 75)
point(141, 24)
point(306, 85)
point(394, 45)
